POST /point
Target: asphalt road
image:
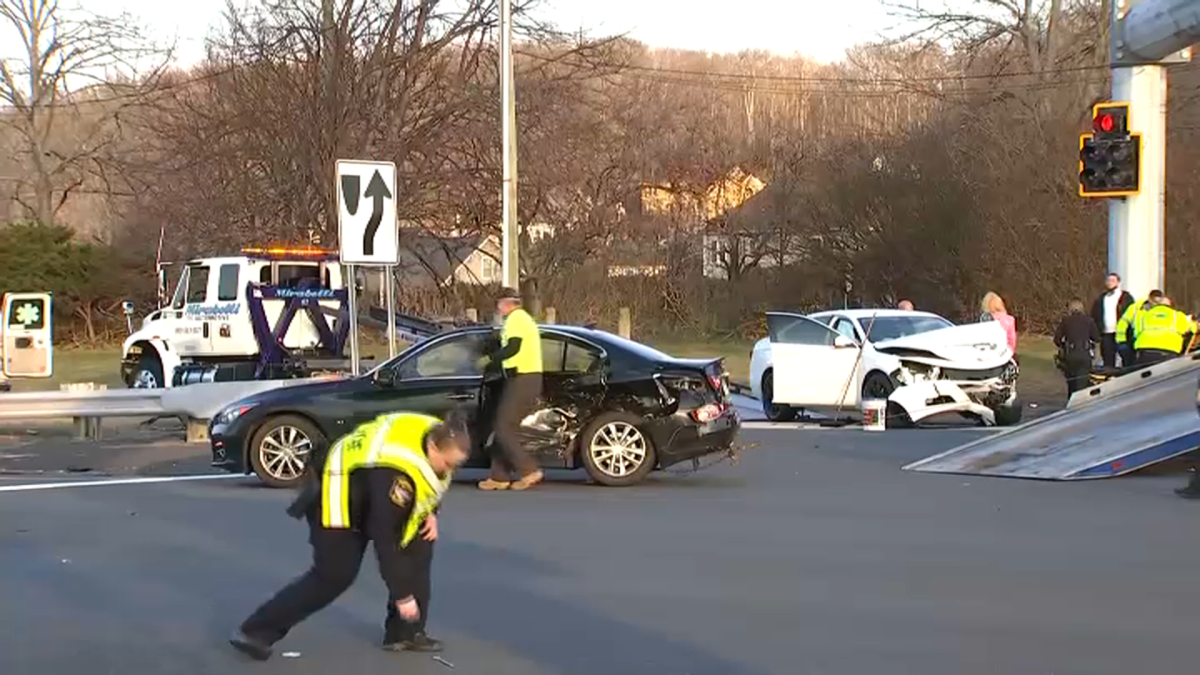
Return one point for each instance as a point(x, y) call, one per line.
point(814, 555)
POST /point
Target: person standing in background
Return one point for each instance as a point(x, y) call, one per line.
point(1107, 311)
point(905, 305)
point(1076, 338)
point(520, 357)
point(993, 309)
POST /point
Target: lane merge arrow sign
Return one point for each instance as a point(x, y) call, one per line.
point(367, 236)
point(377, 191)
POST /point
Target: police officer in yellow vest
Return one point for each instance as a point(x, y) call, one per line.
point(1158, 330)
point(381, 484)
point(521, 357)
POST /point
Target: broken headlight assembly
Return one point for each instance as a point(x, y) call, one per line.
point(912, 373)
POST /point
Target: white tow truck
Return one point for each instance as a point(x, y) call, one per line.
point(264, 314)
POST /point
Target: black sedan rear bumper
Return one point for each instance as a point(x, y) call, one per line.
point(698, 439)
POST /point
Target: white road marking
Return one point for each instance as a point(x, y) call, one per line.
point(813, 426)
point(114, 481)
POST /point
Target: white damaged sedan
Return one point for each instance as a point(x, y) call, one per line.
point(920, 363)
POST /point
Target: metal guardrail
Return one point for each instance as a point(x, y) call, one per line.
point(194, 404)
point(98, 403)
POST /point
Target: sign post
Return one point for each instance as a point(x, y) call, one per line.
point(390, 280)
point(367, 230)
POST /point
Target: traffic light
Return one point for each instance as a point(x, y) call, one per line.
point(1110, 156)
point(1110, 120)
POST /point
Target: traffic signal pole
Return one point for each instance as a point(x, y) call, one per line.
point(1147, 35)
point(1136, 223)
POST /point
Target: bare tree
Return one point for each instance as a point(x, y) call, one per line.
point(76, 69)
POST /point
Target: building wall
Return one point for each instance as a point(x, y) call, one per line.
point(483, 265)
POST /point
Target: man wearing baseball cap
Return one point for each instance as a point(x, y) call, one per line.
point(521, 358)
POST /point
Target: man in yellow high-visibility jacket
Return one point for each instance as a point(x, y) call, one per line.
point(1158, 331)
point(381, 484)
point(521, 358)
point(1125, 327)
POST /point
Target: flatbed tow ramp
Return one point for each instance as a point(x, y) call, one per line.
point(1123, 425)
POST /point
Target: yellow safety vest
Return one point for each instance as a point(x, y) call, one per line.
point(528, 358)
point(1129, 318)
point(389, 441)
point(1161, 327)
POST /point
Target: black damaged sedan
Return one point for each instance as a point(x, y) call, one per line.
point(614, 407)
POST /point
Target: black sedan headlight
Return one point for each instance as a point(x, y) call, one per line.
point(228, 415)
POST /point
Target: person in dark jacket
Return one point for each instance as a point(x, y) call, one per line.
point(1076, 339)
point(1107, 310)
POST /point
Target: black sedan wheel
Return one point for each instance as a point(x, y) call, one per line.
point(615, 451)
point(281, 448)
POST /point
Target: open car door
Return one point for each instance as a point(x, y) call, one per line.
point(28, 348)
point(812, 363)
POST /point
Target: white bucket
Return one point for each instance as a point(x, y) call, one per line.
point(874, 415)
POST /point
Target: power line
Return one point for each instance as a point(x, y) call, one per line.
point(827, 79)
point(881, 92)
point(156, 90)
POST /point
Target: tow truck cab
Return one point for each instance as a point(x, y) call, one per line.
point(208, 326)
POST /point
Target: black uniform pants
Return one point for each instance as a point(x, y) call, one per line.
point(1147, 357)
point(518, 397)
point(1108, 350)
point(337, 557)
point(1076, 368)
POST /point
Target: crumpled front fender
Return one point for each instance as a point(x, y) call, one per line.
point(915, 399)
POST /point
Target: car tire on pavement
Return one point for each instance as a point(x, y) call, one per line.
point(773, 412)
point(280, 448)
point(149, 373)
point(615, 451)
point(1008, 415)
point(876, 385)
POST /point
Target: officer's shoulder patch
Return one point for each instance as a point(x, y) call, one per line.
point(402, 491)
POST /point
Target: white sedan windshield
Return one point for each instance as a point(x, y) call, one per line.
point(892, 327)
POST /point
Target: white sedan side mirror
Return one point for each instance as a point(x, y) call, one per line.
point(842, 342)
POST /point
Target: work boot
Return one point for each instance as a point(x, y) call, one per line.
point(529, 480)
point(417, 643)
point(1192, 489)
point(493, 484)
point(255, 649)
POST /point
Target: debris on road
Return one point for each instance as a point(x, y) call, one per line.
point(444, 662)
point(290, 655)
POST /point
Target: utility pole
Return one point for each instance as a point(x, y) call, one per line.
point(1147, 35)
point(511, 267)
point(329, 71)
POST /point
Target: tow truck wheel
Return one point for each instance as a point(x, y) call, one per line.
point(149, 373)
point(281, 447)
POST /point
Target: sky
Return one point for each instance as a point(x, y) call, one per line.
point(819, 29)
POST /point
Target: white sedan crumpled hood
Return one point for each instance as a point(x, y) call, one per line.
point(975, 345)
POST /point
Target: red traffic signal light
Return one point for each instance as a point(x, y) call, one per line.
point(1110, 119)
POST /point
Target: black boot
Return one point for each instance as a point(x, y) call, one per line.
point(417, 643)
point(1192, 489)
point(255, 649)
